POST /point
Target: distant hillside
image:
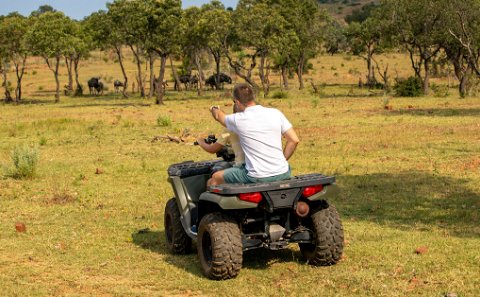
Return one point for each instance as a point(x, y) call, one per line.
point(341, 8)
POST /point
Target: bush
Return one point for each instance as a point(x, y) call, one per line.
point(410, 87)
point(164, 121)
point(440, 90)
point(25, 160)
point(279, 95)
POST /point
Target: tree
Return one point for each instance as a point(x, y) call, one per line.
point(462, 45)
point(130, 19)
point(334, 38)
point(310, 23)
point(163, 35)
point(194, 41)
point(262, 29)
point(366, 40)
point(416, 25)
point(4, 68)
point(13, 30)
point(79, 47)
point(41, 10)
point(216, 21)
point(362, 14)
point(106, 35)
point(49, 37)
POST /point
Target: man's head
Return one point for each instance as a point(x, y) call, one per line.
point(243, 96)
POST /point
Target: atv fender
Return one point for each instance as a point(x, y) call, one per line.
point(328, 192)
point(227, 202)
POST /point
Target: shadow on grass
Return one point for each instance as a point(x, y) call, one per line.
point(31, 101)
point(155, 241)
point(442, 112)
point(413, 200)
point(112, 104)
point(253, 259)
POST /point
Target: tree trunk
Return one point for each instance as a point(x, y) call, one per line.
point(285, 76)
point(426, 79)
point(198, 64)
point(141, 87)
point(300, 65)
point(217, 57)
point(175, 75)
point(118, 50)
point(20, 70)
point(160, 88)
point(57, 81)
point(79, 88)
point(152, 75)
point(68, 63)
point(462, 88)
point(8, 97)
point(264, 74)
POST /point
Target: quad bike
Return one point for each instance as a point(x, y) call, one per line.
point(228, 219)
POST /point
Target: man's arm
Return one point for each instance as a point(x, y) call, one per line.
point(291, 145)
point(218, 115)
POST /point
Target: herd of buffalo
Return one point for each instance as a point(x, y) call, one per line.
point(95, 86)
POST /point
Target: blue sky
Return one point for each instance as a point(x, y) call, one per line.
point(77, 9)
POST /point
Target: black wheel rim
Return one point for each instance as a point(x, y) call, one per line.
point(169, 228)
point(207, 248)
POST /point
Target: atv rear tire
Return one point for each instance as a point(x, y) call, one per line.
point(178, 241)
point(328, 232)
point(219, 245)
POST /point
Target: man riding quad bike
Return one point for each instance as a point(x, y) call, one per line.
point(227, 219)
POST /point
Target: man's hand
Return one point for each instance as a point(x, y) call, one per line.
point(291, 145)
point(211, 148)
point(218, 115)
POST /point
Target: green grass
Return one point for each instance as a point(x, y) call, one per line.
point(409, 175)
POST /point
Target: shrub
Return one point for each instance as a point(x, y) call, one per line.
point(280, 95)
point(440, 90)
point(25, 160)
point(410, 87)
point(34, 72)
point(43, 141)
point(164, 121)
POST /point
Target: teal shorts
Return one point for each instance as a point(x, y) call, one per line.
point(238, 175)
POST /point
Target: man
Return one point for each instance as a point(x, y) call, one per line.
point(260, 130)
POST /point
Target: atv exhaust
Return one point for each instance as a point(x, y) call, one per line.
point(302, 209)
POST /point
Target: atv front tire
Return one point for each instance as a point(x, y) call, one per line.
point(178, 241)
point(328, 232)
point(219, 246)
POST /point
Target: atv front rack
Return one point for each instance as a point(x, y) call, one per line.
point(190, 168)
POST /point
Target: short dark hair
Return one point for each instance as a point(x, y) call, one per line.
point(243, 93)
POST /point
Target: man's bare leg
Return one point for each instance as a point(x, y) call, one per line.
point(217, 179)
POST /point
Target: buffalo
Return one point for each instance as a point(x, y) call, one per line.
point(187, 80)
point(117, 84)
point(211, 81)
point(95, 86)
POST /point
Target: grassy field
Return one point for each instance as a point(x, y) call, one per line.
point(409, 175)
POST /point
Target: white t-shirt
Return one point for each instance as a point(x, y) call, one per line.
point(260, 130)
